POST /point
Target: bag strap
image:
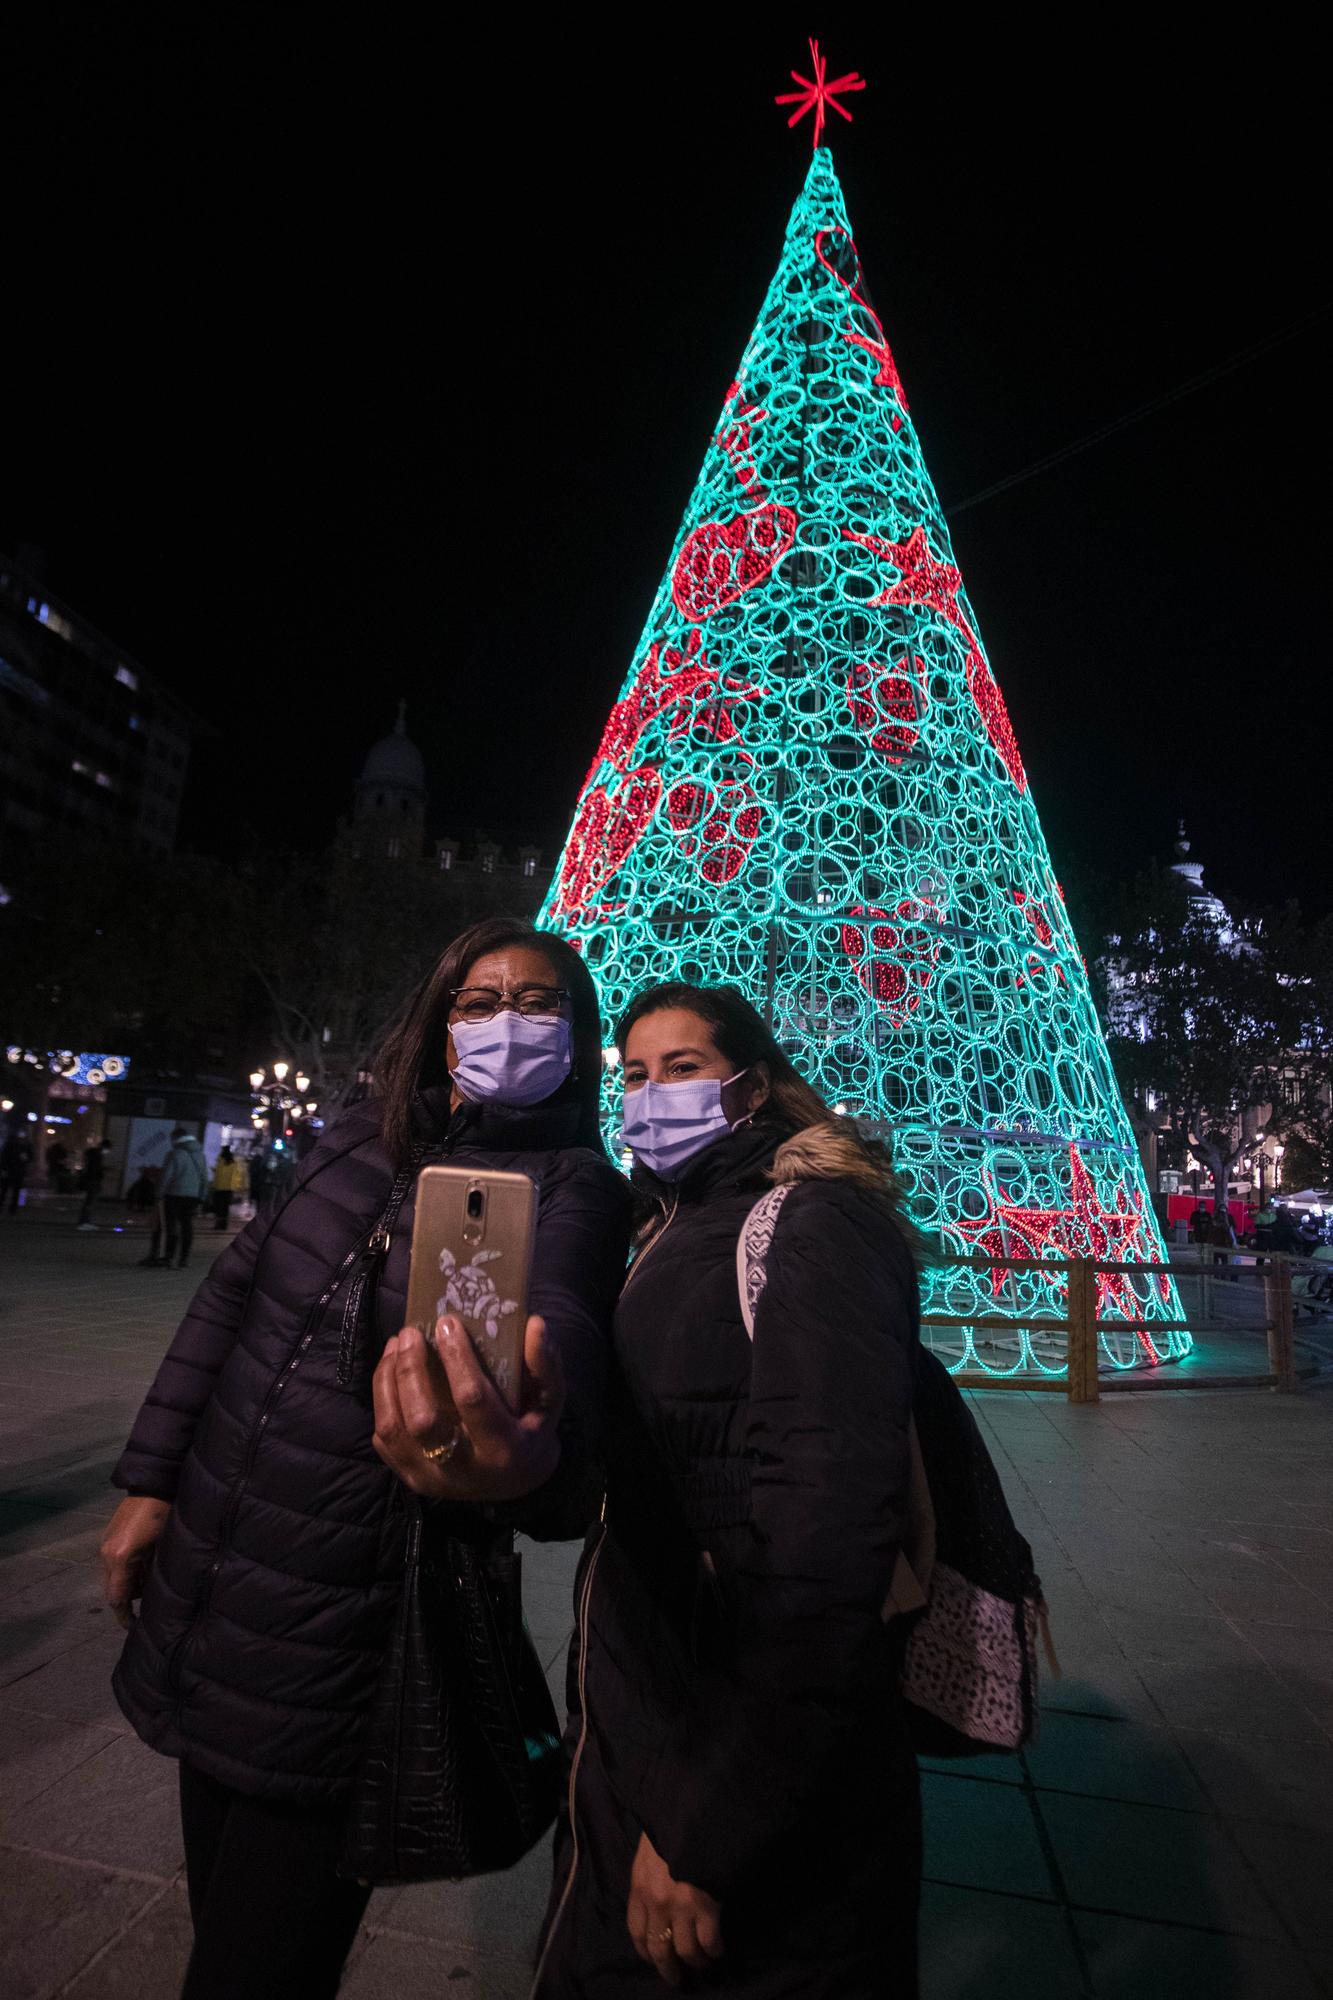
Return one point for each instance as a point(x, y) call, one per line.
point(372, 1259)
point(911, 1575)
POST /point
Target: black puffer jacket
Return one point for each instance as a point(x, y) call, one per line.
point(733, 1687)
point(263, 1621)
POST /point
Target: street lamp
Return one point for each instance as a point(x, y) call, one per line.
point(276, 1102)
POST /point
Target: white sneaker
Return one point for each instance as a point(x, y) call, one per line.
point(86, 1225)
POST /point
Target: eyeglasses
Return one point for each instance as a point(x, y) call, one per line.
point(483, 1003)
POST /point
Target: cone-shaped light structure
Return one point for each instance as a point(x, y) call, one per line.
point(810, 788)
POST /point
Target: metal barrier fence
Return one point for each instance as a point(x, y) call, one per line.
point(1228, 1304)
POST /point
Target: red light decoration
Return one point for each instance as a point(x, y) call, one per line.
point(877, 348)
point(607, 829)
point(735, 440)
point(671, 678)
point(816, 92)
point(1035, 915)
point(894, 954)
point(720, 824)
point(924, 579)
point(990, 707)
point(722, 560)
point(1084, 1229)
point(1037, 968)
point(886, 705)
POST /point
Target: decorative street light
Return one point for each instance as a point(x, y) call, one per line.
point(278, 1107)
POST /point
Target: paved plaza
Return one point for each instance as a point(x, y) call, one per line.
point(1170, 1834)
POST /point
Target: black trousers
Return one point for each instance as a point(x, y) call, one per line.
point(272, 1920)
point(10, 1190)
point(179, 1210)
point(221, 1207)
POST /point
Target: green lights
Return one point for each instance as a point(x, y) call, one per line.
point(810, 788)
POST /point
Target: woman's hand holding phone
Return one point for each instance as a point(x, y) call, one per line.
point(436, 1393)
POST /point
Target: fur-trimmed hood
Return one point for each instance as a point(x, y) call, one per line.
point(828, 1152)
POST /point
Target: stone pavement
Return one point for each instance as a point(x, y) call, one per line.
point(1168, 1835)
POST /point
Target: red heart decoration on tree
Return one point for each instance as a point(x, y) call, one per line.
point(606, 830)
point(902, 956)
point(722, 825)
point(722, 560)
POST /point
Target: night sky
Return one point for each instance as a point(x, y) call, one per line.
point(344, 368)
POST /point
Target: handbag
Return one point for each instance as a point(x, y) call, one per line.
point(461, 1768)
point(969, 1673)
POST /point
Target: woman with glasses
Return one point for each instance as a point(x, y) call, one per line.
point(742, 1811)
point(257, 1530)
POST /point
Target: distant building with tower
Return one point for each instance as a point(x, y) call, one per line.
point(389, 820)
point(90, 742)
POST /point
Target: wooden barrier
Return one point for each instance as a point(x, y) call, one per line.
point(1081, 1324)
point(1081, 1372)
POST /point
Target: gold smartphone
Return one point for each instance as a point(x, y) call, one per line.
point(472, 1255)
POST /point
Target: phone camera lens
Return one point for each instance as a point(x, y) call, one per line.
point(474, 1204)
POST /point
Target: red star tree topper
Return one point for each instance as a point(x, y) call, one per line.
point(815, 92)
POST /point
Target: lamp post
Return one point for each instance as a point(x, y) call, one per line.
point(282, 1109)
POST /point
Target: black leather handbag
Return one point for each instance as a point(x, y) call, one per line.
point(461, 1768)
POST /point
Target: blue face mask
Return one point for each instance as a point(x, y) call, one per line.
point(511, 1060)
point(666, 1124)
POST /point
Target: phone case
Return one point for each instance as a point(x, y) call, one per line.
point(472, 1255)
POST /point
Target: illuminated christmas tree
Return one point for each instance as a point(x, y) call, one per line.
point(810, 788)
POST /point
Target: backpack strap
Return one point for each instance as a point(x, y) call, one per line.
point(752, 1247)
point(911, 1576)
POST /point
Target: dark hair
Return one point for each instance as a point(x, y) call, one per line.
point(745, 1039)
point(411, 1057)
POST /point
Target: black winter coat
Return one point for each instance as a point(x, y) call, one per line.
point(263, 1622)
point(733, 1687)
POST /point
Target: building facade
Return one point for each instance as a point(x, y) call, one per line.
point(89, 741)
point(390, 822)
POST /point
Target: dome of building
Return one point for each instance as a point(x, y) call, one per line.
point(394, 763)
point(1201, 899)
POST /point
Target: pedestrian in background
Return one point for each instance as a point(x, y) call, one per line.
point(259, 1180)
point(181, 1188)
point(57, 1162)
point(228, 1180)
point(1264, 1218)
point(94, 1171)
point(1283, 1236)
point(1223, 1239)
point(1200, 1224)
point(15, 1159)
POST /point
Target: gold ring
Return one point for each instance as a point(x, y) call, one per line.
point(664, 1937)
point(437, 1451)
